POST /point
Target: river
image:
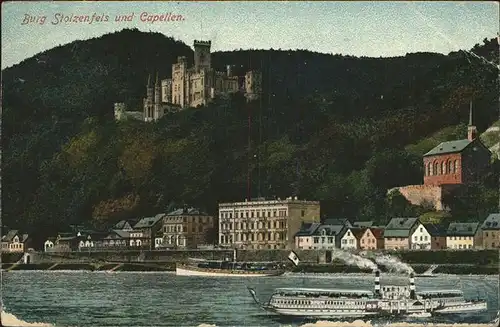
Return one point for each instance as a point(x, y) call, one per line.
point(84, 299)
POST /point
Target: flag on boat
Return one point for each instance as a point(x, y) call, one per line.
point(294, 258)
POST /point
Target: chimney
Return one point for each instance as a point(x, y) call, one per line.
point(471, 129)
point(377, 283)
point(412, 287)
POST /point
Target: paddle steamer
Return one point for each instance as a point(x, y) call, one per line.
point(386, 300)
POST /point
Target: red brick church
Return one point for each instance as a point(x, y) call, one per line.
point(449, 165)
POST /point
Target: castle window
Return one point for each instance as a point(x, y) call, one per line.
point(451, 167)
point(443, 167)
point(456, 166)
point(429, 169)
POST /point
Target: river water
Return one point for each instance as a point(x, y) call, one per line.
point(84, 299)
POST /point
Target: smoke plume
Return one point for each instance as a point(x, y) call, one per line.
point(353, 259)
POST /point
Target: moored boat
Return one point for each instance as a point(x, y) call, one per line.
point(229, 269)
point(226, 268)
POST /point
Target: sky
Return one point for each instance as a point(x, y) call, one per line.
point(373, 29)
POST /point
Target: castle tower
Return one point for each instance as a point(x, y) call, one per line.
point(471, 129)
point(157, 98)
point(202, 58)
point(179, 81)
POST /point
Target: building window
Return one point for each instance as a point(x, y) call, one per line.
point(443, 167)
point(456, 166)
point(303, 213)
point(435, 169)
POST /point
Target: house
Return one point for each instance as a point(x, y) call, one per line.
point(378, 233)
point(189, 228)
point(339, 226)
point(123, 225)
point(397, 233)
point(14, 241)
point(420, 239)
point(362, 224)
point(491, 231)
point(116, 239)
point(143, 233)
point(438, 236)
point(89, 239)
point(369, 240)
point(324, 238)
point(304, 237)
point(65, 242)
point(461, 236)
point(352, 238)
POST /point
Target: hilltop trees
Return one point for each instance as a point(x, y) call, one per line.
point(331, 128)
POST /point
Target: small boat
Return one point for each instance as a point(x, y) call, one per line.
point(429, 272)
point(226, 268)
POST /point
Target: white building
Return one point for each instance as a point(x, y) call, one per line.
point(349, 240)
point(420, 239)
point(264, 224)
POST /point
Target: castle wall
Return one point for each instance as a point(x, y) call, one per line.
point(419, 194)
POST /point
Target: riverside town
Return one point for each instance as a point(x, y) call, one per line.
point(233, 172)
point(266, 227)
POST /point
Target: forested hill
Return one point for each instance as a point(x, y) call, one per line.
point(329, 127)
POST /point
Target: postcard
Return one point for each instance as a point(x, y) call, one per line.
point(270, 163)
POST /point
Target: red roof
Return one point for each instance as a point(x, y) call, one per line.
point(358, 232)
point(377, 232)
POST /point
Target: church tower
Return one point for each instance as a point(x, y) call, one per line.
point(157, 98)
point(471, 129)
point(202, 58)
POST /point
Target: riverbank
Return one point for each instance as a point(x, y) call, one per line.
point(454, 269)
point(312, 261)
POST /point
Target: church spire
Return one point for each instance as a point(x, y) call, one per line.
point(149, 80)
point(471, 129)
point(156, 83)
point(470, 114)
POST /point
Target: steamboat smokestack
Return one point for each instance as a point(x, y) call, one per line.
point(412, 287)
point(377, 283)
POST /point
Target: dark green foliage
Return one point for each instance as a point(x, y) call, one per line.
point(331, 128)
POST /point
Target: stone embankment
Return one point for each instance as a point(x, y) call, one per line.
point(320, 261)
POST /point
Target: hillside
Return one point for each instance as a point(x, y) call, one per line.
point(329, 127)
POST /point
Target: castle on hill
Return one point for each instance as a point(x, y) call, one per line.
point(192, 86)
point(448, 167)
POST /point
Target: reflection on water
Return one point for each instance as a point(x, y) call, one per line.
point(84, 299)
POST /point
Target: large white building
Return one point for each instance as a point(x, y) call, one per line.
point(264, 224)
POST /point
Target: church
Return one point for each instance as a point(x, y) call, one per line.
point(449, 166)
